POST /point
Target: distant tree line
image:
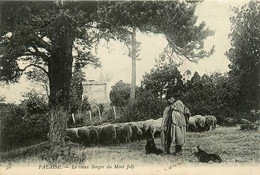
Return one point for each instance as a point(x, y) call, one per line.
point(209, 94)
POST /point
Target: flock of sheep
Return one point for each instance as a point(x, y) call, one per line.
point(107, 133)
point(200, 123)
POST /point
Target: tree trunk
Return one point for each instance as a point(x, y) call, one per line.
point(60, 74)
point(133, 82)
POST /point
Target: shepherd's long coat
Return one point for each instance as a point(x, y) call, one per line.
point(178, 125)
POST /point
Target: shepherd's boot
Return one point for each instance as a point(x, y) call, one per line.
point(167, 149)
point(178, 150)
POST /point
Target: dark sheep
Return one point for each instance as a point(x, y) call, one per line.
point(119, 137)
point(84, 136)
point(136, 133)
point(118, 127)
point(107, 135)
point(93, 137)
point(127, 133)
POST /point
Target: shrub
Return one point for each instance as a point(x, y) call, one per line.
point(120, 94)
point(249, 126)
point(24, 124)
point(146, 106)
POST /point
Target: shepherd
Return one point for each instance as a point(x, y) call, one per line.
point(174, 124)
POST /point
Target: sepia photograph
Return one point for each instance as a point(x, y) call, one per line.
point(130, 87)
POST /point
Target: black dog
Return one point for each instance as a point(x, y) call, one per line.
point(205, 157)
point(151, 148)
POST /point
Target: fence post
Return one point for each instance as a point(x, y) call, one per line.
point(99, 113)
point(90, 117)
point(73, 118)
point(114, 111)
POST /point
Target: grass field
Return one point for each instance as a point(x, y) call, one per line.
point(234, 146)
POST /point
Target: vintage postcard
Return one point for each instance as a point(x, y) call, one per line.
point(129, 87)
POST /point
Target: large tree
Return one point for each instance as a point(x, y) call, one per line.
point(245, 55)
point(46, 33)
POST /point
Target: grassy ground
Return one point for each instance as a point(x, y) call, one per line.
point(235, 147)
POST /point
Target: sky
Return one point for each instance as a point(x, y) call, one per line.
point(117, 64)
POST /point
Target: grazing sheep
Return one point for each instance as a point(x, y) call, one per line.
point(119, 127)
point(136, 132)
point(143, 126)
point(93, 136)
point(72, 134)
point(130, 123)
point(209, 122)
point(150, 122)
point(154, 130)
point(192, 124)
point(119, 135)
point(201, 123)
point(214, 122)
point(107, 135)
point(84, 136)
point(159, 119)
point(127, 133)
point(98, 128)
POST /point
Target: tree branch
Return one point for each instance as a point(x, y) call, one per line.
point(30, 65)
point(41, 42)
point(37, 53)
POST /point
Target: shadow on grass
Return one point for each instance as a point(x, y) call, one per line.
point(68, 153)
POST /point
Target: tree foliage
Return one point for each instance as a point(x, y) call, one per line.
point(244, 55)
point(146, 106)
point(185, 38)
point(24, 124)
point(163, 80)
point(120, 94)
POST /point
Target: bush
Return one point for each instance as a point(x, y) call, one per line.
point(146, 106)
point(24, 124)
point(120, 94)
point(108, 114)
point(249, 126)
